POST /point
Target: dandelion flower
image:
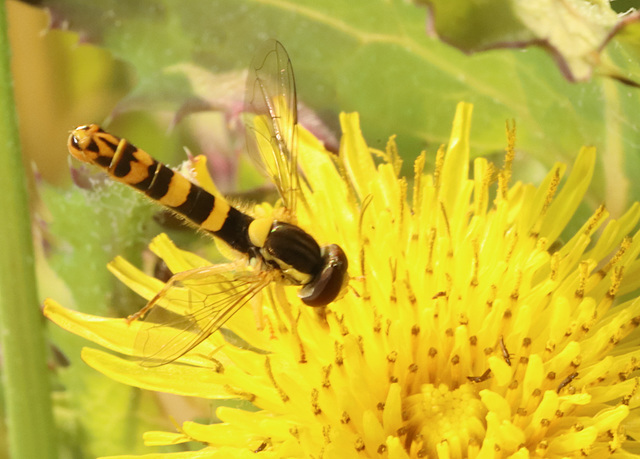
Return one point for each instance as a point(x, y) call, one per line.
point(467, 330)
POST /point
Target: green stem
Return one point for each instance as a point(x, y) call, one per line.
point(26, 379)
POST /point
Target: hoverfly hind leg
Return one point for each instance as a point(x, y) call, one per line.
point(201, 273)
point(145, 309)
point(161, 294)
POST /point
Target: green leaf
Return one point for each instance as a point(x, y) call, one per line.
point(87, 229)
point(374, 57)
point(573, 32)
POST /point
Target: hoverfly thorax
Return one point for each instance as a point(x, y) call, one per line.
point(321, 271)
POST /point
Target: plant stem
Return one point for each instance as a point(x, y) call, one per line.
point(26, 378)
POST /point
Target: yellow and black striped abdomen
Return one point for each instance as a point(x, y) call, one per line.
point(130, 165)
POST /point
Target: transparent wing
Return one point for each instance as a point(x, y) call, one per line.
point(271, 119)
point(191, 308)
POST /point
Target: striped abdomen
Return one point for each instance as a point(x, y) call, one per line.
point(134, 167)
point(321, 272)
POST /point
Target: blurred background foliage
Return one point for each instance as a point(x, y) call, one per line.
point(168, 73)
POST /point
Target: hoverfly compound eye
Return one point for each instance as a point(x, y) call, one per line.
point(329, 282)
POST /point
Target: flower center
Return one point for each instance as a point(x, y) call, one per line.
point(439, 418)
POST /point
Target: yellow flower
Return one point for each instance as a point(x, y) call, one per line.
point(467, 328)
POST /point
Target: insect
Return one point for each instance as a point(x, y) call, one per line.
point(482, 378)
point(566, 381)
point(505, 353)
point(274, 250)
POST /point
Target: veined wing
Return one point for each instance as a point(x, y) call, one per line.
point(211, 295)
point(271, 119)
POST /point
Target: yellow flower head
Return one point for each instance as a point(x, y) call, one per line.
point(467, 330)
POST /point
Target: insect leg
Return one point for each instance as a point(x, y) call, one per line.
point(199, 273)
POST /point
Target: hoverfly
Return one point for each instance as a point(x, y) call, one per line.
point(274, 249)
